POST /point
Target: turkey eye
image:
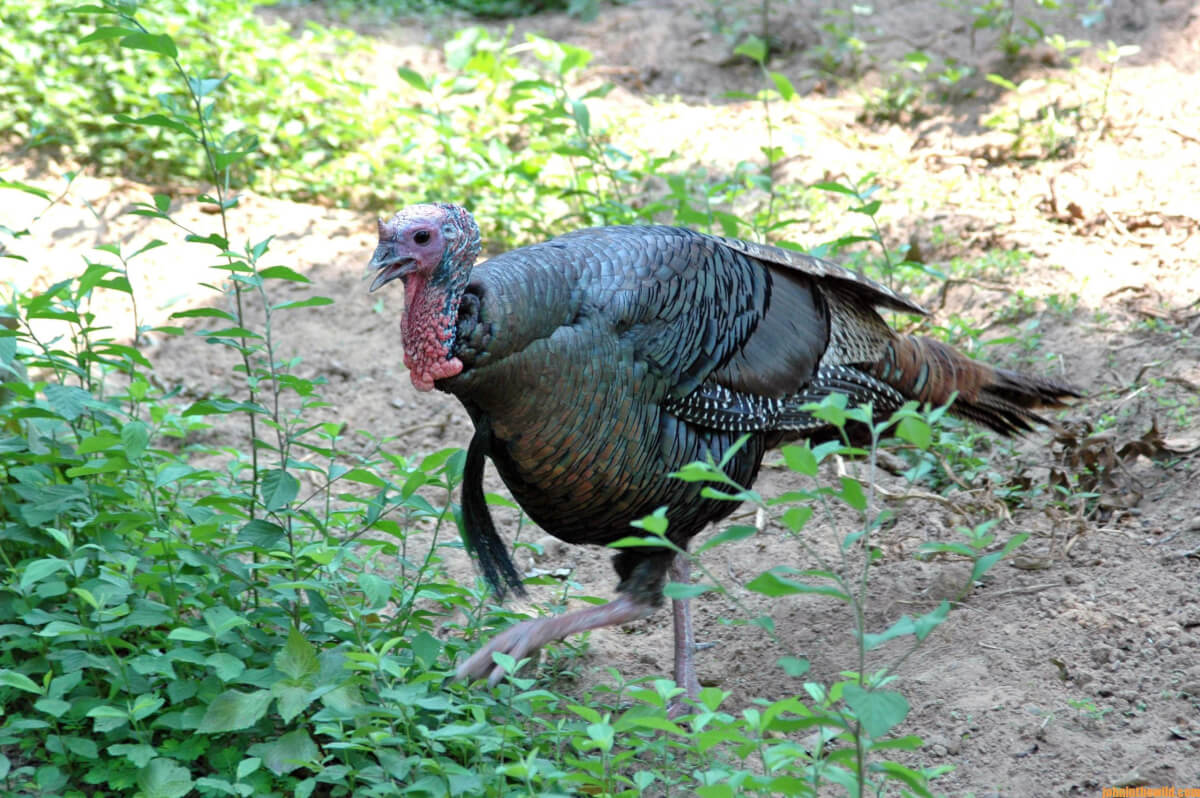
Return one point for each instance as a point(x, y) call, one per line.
point(421, 237)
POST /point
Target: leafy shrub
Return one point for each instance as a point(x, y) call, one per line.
point(63, 85)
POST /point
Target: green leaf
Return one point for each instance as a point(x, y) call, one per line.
point(376, 590)
point(38, 570)
point(925, 550)
point(836, 188)
point(172, 472)
point(99, 442)
point(139, 754)
point(82, 747)
point(794, 666)
point(681, 590)
point(262, 534)
point(189, 635)
point(879, 711)
point(223, 160)
point(733, 533)
point(233, 332)
point(293, 750)
point(639, 543)
point(909, 742)
point(28, 189)
point(221, 619)
point(365, 477)
point(205, 407)
point(602, 735)
point(783, 85)
point(199, 313)
point(311, 302)
point(283, 273)
point(715, 791)
point(1001, 81)
point(915, 431)
point(587, 713)
point(226, 666)
point(917, 60)
point(916, 781)
point(582, 118)
point(164, 778)
point(412, 78)
point(54, 707)
point(426, 648)
point(931, 620)
point(985, 563)
point(205, 86)
point(135, 436)
point(68, 401)
point(852, 494)
point(19, 681)
point(655, 523)
point(157, 120)
point(104, 711)
point(291, 700)
point(51, 780)
point(800, 459)
point(903, 626)
point(298, 657)
point(772, 584)
point(232, 710)
point(152, 42)
point(105, 33)
point(279, 489)
point(796, 518)
point(870, 209)
point(753, 48)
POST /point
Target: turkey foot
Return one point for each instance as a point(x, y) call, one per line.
point(528, 636)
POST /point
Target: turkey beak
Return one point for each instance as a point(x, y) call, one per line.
point(390, 266)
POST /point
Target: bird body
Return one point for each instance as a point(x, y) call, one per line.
point(596, 364)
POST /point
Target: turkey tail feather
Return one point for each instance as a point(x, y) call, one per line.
point(930, 371)
point(479, 532)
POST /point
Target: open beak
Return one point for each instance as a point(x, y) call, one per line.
point(389, 265)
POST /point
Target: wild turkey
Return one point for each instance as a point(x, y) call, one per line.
point(595, 364)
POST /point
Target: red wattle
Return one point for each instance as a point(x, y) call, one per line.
point(427, 333)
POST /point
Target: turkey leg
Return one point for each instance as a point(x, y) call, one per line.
point(685, 642)
point(528, 636)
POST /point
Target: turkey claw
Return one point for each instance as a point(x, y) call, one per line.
point(518, 642)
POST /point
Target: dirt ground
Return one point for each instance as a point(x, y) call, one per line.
point(1075, 666)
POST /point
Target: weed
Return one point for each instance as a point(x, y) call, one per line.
point(1110, 54)
point(1047, 133)
point(843, 52)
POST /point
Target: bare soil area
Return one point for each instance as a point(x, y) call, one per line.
point(1076, 665)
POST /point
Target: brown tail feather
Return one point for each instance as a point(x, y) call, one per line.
point(930, 371)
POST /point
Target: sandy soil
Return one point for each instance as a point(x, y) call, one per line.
point(1074, 666)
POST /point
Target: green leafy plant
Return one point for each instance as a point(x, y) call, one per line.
point(172, 626)
point(1048, 133)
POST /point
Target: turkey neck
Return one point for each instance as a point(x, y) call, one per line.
point(431, 313)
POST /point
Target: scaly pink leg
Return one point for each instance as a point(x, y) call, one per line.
point(685, 642)
point(528, 636)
